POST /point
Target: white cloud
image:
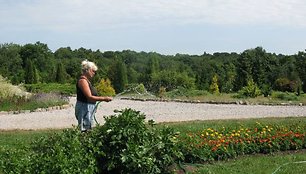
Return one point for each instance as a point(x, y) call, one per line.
point(189, 25)
point(69, 15)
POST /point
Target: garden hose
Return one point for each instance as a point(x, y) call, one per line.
point(297, 162)
point(94, 112)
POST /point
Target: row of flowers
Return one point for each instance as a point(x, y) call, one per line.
point(210, 144)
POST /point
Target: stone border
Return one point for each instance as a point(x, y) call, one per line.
point(240, 102)
point(66, 106)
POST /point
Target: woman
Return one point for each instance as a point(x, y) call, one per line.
point(87, 96)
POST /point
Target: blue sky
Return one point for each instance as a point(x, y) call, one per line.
point(163, 26)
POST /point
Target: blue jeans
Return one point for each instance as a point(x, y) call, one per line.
point(84, 114)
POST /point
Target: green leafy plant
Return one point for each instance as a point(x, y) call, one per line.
point(124, 144)
point(65, 152)
point(129, 145)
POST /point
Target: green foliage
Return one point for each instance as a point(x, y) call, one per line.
point(214, 88)
point(171, 80)
point(244, 69)
point(258, 65)
point(117, 73)
point(64, 89)
point(301, 64)
point(161, 92)
point(124, 144)
point(61, 74)
point(131, 146)
point(199, 140)
point(266, 90)
point(11, 64)
point(282, 84)
point(42, 59)
point(15, 160)
point(31, 74)
point(136, 88)
point(229, 77)
point(183, 92)
point(251, 90)
point(104, 88)
point(64, 152)
point(152, 69)
point(286, 85)
point(141, 88)
point(286, 96)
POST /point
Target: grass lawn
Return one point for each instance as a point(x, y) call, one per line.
point(292, 162)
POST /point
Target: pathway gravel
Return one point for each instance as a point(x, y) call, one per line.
point(158, 111)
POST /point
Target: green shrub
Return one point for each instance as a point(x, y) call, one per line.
point(214, 87)
point(104, 88)
point(285, 96)
point(286, 85)
point(266, 90)
point(183, 92)
point(65, 152)
point(131, 146)
point(161, 92)
point(251, 90)
point(63, 89)
point(16, 160)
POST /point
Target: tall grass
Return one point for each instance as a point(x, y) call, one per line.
point(15, 98)
point(11, 92)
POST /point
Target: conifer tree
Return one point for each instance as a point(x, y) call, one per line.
point(118, 75)
point(30, 77)
point(104, 88)
point(214, 88)
point(60, 73)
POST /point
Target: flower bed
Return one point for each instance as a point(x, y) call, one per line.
point(210, 144)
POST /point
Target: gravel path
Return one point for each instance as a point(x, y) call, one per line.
point(159, 111)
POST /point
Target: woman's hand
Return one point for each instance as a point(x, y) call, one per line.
point(107, 99)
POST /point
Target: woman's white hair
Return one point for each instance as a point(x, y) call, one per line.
point(87, 65)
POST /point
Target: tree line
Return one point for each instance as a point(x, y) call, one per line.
point(226, 72)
